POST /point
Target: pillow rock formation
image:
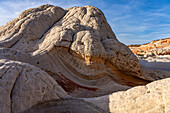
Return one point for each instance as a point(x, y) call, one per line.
point(70, 60)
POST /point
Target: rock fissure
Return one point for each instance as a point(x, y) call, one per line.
point(12, 90)
point(4, 72)
point(69, 49)
point(12, 40)
point(52, 26)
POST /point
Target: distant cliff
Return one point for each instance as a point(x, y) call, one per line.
point(156, 47)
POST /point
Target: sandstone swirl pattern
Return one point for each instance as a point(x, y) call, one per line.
point(50, 53)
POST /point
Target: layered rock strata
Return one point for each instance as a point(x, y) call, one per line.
point(75, 52)
point(152, 98)
point(154, 48)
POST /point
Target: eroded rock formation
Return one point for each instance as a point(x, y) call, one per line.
point(55, 53)
point(23, 85)
point(157, 47)
point(152, 98)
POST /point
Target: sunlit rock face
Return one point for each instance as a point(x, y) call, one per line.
point(151, 98)
point(76, 51)
point(154, 48)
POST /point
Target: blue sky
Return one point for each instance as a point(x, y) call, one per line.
point(133, 21)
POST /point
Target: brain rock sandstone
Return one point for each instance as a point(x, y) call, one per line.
point(74, 53)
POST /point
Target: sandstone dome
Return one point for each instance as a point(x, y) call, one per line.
point(60, 53)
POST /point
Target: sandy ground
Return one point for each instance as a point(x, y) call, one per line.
point(158, 62)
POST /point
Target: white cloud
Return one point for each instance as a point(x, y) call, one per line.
point(160, 14)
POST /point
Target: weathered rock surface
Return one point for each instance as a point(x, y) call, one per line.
point(65, 106)
point(69, 52)
point(73, 51)
point(76, 46)
point(23, 32)
point(157, 47)
point(152, 98)
point(23, 85)
point(154, 55)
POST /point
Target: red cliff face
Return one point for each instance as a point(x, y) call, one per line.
point(156, 47)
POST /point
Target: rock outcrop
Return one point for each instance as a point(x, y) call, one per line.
point(157, 47)
point(50, 53)
point(152, 98)
point(154, 55)
point(23, 85)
